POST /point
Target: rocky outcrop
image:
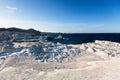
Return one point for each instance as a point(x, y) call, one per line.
point(18, 35)
point(102, 48)
point(57, 52)
point(42, 52)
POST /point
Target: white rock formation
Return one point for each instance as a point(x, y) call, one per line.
point(44, 52)
point(86, 68)
point(102, 48)
point(52, 52)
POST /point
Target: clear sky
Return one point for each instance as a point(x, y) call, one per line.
point(76, 16)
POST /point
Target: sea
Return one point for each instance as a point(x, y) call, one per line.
point(79, 38)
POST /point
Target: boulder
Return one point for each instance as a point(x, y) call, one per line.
point(60, 37)
point(48, 38)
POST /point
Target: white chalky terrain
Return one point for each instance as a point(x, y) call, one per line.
point(48, 61)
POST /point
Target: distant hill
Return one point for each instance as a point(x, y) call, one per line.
point(32, 31)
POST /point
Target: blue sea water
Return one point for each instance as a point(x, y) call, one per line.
point(79, 38)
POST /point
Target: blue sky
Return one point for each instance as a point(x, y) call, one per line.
point(76, 16)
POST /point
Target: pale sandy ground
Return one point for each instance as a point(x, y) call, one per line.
point(86, 67)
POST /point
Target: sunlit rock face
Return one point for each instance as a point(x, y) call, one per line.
point(102, 48)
